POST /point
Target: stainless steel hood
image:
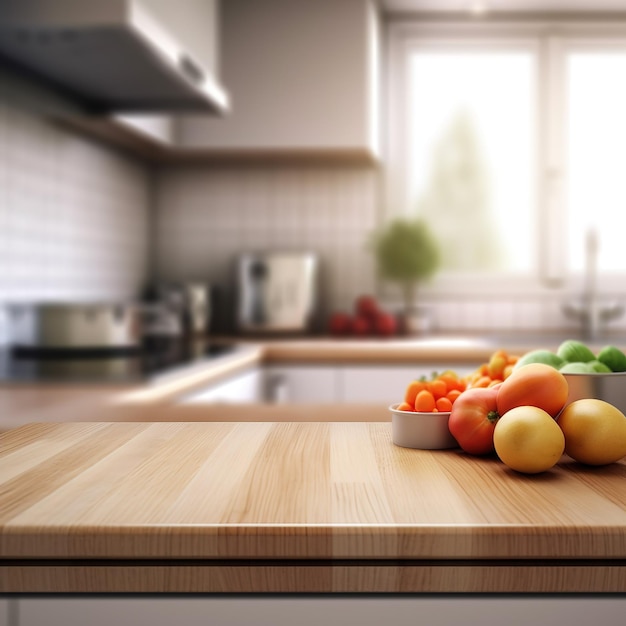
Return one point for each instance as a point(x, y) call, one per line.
point(110, 56)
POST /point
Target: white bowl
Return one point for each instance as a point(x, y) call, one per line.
point(425, 431)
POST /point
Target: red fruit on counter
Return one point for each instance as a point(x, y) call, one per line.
point(473, 419)
point(386, 324)
point(340, 324)
point(367, 306)
point(361, 325)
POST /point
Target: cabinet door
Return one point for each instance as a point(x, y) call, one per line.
point(4, 612)
point(302, 75)
point(302, 384)
point(386, 384)
point(246, 387)
point(364, 610)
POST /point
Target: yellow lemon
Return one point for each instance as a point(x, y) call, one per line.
point(528, 440)
point(595, 431)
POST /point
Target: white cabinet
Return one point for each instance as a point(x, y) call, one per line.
point(4, 612)
point(325, 384)
point(245, 387)
point(303, 81)
point(303, 76)
point(157, 129)
point(196, 24)
point(444, 610)
point(368, 383)
point(319, 384)
point(302, 384)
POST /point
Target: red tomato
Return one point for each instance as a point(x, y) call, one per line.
point(340, 323)
point(361, 325)
point(385, 324)
point(473, 419)
point(366, 306)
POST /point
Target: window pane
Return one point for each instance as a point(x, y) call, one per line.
point(472, 155)
point(596, 181)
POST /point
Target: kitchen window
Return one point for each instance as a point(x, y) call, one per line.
point(509, 139)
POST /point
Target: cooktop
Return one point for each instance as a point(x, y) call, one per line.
point(154, 357)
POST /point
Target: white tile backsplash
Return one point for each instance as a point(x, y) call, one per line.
point(74, 215)
point(206, 216)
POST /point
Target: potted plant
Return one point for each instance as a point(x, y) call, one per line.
point(407, 253)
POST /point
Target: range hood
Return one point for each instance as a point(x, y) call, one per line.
point(111, 56)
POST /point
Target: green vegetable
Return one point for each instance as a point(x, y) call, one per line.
point(598, 367)
point(572, 351)
point(576, 368)
point(613, 358)
point(540, 356)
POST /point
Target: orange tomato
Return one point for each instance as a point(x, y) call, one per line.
point(483, 381)
point(497, 363)
point(453, 383)
point(443, 404)
point(413, 388)
point(405, 406)
point(535, 384)
point(438, 388)
point(425, 401)
point(453, 394)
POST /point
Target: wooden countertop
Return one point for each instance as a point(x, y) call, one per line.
point(22, 402)
point(287, 506)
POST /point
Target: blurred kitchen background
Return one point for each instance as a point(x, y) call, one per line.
point(500, 123)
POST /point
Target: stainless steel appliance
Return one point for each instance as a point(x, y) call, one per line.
point(178, 309)
point(99, 342)
point(164, 314)
point(157, 356)
point(197, 308)
point(77, 325)
point(276, 292)
point(112, 56)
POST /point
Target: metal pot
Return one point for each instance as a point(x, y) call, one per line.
point(97, 325)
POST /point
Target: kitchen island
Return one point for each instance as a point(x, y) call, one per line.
point(294, 507)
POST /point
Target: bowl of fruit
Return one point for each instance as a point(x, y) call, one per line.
point(421, 419)
point(597, 374)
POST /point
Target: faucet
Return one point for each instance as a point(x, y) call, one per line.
point(590, 312)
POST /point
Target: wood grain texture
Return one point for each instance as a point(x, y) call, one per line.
point(377, 351)
point(289, 490)
point(287, 577)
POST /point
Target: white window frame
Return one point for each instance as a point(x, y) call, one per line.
point(550, 40)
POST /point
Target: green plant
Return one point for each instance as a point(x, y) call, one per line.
point(406, 253)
